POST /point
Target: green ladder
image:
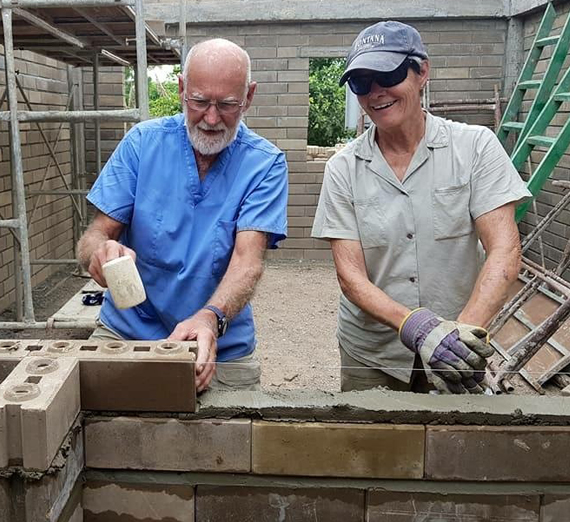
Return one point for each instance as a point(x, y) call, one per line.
point(526, 82)
point(536, 137)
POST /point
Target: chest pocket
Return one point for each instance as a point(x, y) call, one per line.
point(371, 222)
point(223, 246)
point(451, 216)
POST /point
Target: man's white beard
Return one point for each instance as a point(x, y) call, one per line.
point(210, 145)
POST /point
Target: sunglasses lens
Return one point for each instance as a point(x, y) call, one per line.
point(360, 85)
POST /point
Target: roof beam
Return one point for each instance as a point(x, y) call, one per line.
point(42, 24)
point(99, 25)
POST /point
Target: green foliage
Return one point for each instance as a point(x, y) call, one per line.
point(163, 97)
point(326, 103)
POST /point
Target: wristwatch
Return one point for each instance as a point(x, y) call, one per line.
point(222, 319)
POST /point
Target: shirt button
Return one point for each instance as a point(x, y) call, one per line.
point(410, 236)
point(412, 279)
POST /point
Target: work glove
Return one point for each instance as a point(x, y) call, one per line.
point(453, 354)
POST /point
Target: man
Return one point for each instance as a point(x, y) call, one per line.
point(404, 207)
point(195, 199)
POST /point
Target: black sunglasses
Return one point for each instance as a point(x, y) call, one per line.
point(361, 84)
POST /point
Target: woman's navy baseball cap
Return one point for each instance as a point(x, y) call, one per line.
point(383, 47)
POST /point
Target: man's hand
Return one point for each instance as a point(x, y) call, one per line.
point(107, 251)
point(454, 354)
point(203, 328)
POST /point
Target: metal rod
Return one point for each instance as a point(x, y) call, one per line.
point(96, 107)
point(111, 115)
point(43, 325)
point(17, 168)
point(142, 83)
point(12, 4)
point(54, 262)
point(42, 24)
point(553, 280)
point(10, 223)
point(78, 192)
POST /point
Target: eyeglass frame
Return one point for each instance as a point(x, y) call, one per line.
point(401, 72)
point(215, 103)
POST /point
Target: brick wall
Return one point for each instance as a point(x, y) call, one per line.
point(467, 61)
point(51, 230)
point(556, 236)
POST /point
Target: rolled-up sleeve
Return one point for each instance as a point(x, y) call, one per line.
point(335, 217)
point(494, 181)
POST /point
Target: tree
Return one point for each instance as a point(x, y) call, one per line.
point(326, 103)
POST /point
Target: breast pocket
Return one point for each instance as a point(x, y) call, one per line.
point(371, 221)
point(224, 242)
point(451, 216)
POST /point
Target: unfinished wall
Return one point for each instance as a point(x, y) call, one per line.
point(556, 236)
point(467, 62)
point(45, 85)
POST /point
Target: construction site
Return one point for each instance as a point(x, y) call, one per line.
point(115, 431)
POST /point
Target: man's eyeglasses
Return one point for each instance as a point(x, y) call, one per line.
point(224, 107)
point(361, 84)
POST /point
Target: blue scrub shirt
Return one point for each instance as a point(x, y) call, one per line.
point(183, 229)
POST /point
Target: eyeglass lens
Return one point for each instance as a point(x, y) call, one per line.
point(361, 84)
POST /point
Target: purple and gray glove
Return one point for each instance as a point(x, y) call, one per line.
point(453, 354)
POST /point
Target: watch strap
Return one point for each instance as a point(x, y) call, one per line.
point(222, 321)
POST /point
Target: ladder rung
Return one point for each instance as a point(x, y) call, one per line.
point(549, 40)
point(529, 84)
point(562, 96)
point(541, 141)
point(513, 125)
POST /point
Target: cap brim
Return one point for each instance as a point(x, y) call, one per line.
point(381, 61)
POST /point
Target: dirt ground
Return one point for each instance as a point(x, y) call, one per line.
point(295, 316)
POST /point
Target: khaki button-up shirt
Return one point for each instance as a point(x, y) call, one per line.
point(418, 235)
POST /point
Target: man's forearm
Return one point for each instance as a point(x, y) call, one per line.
point(89, 242)
point(237, 286)
point(491, 288)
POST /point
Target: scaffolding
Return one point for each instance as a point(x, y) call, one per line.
point(79, 33)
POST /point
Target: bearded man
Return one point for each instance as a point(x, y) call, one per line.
point(195, 199)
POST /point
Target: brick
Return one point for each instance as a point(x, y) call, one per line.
point(168, 444)
point(4, 453)
point(132, 500)
point(338, 450)
point(293, 76)
point(115, 375)
point(498, 453)
point(383, 506)
point(238, 504)
point(41, 398)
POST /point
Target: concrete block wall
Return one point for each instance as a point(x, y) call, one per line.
point(45, 83)
point(467, 62)
point(374, 456)
point(557, 235)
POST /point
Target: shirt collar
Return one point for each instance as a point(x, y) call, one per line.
point(436, 136)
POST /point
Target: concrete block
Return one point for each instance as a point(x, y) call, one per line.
point(133, 375)
point(105, 502)
point(338, 450)
point(45, 499)
point(493, 453)
point(168, 444)
point(554, 508)
point(41, 399)
point(239, 504)
point(5, 500)
point(11, 353)
point(384, 506)
point(4, 453)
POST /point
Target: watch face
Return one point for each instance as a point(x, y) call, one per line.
point(222, 326)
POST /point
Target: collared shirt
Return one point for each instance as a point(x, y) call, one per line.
point(418, 235)
point(183, 229)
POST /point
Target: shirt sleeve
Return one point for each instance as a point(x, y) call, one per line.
point(265, 207)
point(335, 217)
point(114, 190)
point(494, 181)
